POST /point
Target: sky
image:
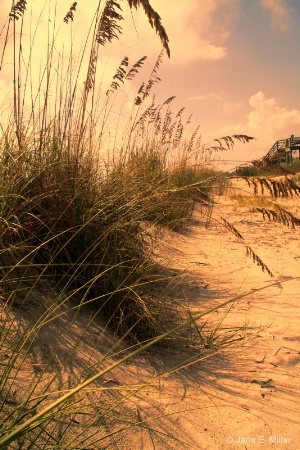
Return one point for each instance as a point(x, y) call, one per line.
point(234, 63)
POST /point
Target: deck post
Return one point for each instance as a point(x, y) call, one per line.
point(291, 148)
point(292, 141)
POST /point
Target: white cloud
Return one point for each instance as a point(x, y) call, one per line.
point(281, 15)
point(267, 122)
point(269, 118)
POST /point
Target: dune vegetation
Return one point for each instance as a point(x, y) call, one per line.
point(83, 209)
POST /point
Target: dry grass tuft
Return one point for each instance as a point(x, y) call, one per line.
point(282, 216)
point(276, 188)
point(229, 141)
point(256, 259)
point(251, 200)
point(263, 166)
point(108, 27)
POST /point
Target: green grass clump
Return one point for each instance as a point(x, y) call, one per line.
point(74, 209)
point(246, 171)
point(294, 166)
point(87, 226)
point(250, 200)
point(79, 220)
point(85, 232)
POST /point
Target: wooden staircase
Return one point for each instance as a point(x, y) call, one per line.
point(282, 151)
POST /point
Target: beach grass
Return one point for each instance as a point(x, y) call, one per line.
point(86, 196)
point(80, 220)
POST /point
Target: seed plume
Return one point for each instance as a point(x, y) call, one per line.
point(18, 10)
point(70, 13)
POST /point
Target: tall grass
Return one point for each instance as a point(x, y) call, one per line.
point(79, 222)
point(66, 203)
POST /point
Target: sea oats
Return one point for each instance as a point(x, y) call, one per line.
point(108, 27)
point(18, 10)
point(119, 76)
point(70, 13)
point(134, 69)
point(154, 20)
point(249, 250)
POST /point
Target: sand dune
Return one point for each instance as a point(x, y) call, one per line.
point(249, 393)
point(244, 395)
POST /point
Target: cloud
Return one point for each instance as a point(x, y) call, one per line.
point(227, 107)
point(267, 122)
point(270, 119)
point(197, 30)
point(210, 96)
point(281, 15)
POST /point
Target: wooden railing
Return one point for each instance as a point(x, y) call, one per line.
point(282, 147)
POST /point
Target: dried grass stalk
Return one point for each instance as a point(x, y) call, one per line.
point(250, 252)
point(119, 76)
point(275, 188)
point(154, 20)
point(108, 27)
point(149, 112)
point(282, 216)
point(232, 229)
point(229, 141)
point(134, 69)
point(258, 261)
point(144, 90)
point(90, 78)
point(192, 140)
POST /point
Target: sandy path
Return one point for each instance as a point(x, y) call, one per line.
point(244, 397)
point(249, 393)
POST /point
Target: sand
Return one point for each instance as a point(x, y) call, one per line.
point(247, 395)
point(239, 396)
point(251, 391)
